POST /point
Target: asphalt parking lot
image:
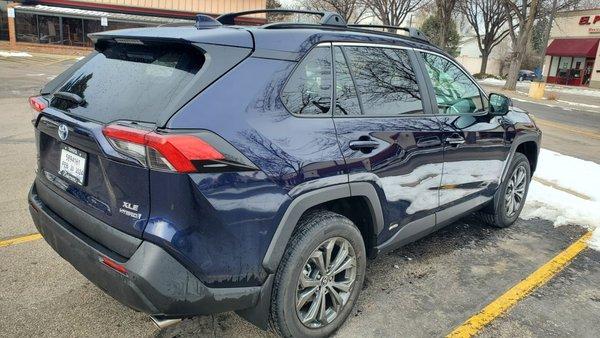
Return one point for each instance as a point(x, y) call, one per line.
point(427, 288)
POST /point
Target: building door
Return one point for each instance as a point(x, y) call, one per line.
point(587, 72)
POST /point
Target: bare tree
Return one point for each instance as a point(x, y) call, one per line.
point(525, 14)
point(393, 12)
point(445, 10)
point(488, 20)
point(351, 10)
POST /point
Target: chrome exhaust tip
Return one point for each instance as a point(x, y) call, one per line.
point(162, 323)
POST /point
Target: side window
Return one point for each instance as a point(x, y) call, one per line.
point(455, 93)
point(308, 90)
point(346, 99)
point(385, 81)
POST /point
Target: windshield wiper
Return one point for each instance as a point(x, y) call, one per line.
point(70, 97)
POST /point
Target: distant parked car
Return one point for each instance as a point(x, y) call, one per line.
point(526, 75)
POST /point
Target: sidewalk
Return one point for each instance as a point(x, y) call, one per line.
point(550, 87)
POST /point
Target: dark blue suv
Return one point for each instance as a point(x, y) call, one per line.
point(198, 169)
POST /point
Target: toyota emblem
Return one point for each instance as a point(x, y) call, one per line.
point(63, 132)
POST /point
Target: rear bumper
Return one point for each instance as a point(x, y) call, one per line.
point(155, 283)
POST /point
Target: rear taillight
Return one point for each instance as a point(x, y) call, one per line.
point(182, 153)
point(38, 104)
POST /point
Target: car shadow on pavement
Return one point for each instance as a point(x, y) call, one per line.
point(427, 287)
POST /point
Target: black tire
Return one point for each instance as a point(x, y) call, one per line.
point(313, 230)
point(496, 213)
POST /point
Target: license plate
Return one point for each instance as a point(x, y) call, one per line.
point(72, 164)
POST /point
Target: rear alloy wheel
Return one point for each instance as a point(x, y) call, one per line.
point(325, 282)
point(319, 277)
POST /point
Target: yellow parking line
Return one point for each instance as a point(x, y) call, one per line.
point(562, 126)
point(20, 239)
point(502, 304)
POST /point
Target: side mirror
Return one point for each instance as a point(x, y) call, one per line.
point(499, 104)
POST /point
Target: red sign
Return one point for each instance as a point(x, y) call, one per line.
point(587, 20)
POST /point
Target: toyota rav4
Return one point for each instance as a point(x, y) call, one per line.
point(189, 170)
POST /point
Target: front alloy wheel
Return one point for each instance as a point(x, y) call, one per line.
point(325, 283)
point(515, 191)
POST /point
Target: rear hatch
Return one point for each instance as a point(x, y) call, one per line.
point(135, 82)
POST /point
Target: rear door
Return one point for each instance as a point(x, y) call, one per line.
point(387, 133)
point(475, 149)
point(129, 82)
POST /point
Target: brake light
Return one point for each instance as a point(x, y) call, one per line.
point(166, 152)
point(38, 104)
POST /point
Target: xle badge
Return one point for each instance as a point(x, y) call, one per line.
point(129, 209)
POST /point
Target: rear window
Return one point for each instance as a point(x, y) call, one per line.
point(130, 82)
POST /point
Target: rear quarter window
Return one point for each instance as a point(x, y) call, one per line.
point(308, 90)
point(130, 82)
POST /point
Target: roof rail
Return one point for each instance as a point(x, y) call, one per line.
point(327, 18)
point(412, 32)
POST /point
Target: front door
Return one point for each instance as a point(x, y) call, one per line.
point(388, 136)
point(475, 149)
point(587, 72)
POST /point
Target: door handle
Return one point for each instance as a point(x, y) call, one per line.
point(364, 145)
point(455, 139)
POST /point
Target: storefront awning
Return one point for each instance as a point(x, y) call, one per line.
point(573, 47)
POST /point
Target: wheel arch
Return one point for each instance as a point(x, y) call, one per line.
point(529, 143)
point(531, 150)
point(348, 199)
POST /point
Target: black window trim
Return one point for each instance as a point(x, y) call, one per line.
point(345, 57)
point(482, 94)
point(421, 82)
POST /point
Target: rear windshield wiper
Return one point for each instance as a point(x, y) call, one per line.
point(70, 97)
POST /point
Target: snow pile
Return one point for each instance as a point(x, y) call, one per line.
point(565, 190)
point(4, 53)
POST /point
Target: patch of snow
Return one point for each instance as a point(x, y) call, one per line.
point(5, 53)
point(579, 104)
point(493, 82)
point(79, 58)
point(548, 202)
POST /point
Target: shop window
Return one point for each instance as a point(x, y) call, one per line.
point(565, 63)
point(26, 27)
point(91, 26)
point(554, 65)
point(3, 21)
point(49, 29)
point(114, 25)
point(72, 30)
point(37, 28)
